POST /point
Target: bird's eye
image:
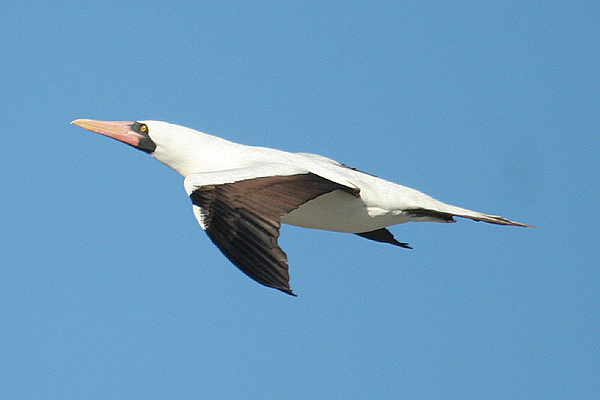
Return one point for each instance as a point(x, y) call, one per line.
point(143, 128)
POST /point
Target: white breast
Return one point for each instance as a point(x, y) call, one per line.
point(341, 212)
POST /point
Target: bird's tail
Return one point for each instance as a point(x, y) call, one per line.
point(444, 213)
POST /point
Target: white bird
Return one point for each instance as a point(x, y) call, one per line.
point(241, 194)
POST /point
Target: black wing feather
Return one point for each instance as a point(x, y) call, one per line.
point(243, 220)
point(384, 236)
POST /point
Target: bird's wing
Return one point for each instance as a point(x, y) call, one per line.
point(240, 210)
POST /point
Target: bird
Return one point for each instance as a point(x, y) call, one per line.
point(242, 194)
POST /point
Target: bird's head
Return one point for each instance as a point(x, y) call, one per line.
point(173, 145)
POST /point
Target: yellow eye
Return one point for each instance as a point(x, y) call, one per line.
point(143, 128)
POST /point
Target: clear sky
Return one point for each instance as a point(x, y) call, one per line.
point(110, 289)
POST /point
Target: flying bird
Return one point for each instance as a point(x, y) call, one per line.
point(241, 194)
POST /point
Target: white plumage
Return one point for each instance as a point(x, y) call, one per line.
point(240, 194)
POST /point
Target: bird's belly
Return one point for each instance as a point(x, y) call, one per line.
point(342, 212)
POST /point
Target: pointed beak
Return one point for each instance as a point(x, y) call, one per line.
point(120, 130)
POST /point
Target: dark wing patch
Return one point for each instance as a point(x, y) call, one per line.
point(242, 219)
point(357, 170)
point(383, 235)
point(426, 213)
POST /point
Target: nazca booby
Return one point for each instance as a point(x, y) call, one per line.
point(241, 194)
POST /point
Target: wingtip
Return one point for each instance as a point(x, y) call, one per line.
point(288, 291)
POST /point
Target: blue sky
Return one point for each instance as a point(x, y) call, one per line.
point(110, 289)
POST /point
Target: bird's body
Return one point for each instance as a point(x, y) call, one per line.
point(241, 194)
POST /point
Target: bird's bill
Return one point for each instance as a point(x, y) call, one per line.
point(120, 130)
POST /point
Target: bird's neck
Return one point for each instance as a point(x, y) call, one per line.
point(200, 153)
